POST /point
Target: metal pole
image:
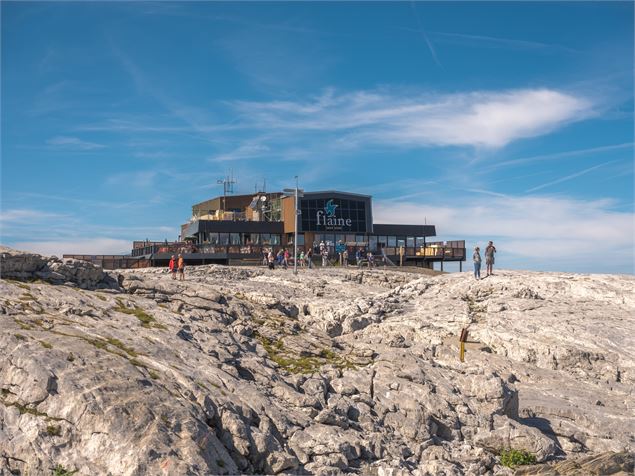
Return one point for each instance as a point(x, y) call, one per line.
point(295, 230)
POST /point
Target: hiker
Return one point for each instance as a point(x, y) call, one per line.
point(309, 258)
point(271, 259)
point(285, 259)
point(265, 257)
point(489, 258)
point(371, 259)
point(172, 267)
point(345, 258)
point(181, 266)
point(476, 257)
point(279, 257)
point(325, 255)
point(302, 259)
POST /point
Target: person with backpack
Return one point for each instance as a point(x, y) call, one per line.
point(172, 267)
point(489, 258)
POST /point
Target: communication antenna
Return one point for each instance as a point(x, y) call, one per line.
point(228, 187)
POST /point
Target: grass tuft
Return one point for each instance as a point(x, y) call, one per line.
point(45, 344)
point(146, 319)
point(512, 458)
point(54, 430)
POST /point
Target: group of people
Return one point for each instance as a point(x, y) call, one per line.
point(305, 259)
point(177, 265)
point(281, 258)
point(490, 250)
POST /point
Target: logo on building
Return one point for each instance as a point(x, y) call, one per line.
point(328, 219)
point(329, 208)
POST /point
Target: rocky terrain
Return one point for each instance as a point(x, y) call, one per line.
point(247, 370)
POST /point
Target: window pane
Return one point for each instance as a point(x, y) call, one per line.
point(223, 238)
point(300, 239)
point(234, 238)
point(265, 238)
point(275, 239)
point(410, 242)
point(392, 241)
point(372, 243)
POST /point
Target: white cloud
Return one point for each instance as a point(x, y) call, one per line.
point(245, 151)
point(88, 246)
point(22, 215)
point(534, 232)
point(74, 143)
point(480, 119)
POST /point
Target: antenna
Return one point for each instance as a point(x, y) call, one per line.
point(228, 187)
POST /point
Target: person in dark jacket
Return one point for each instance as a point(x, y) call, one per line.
point(476, 257)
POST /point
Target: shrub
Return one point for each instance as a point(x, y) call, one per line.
point(54, 430)
point(512, 458)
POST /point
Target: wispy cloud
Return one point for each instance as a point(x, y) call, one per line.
point(73, 143)
point(482, 41)
point(244, 151)
point(143, 179)
point(479, 119)
point(561, 155)
point(25, 215)
point(423, 33)
point(88, 246)
point(568, 177)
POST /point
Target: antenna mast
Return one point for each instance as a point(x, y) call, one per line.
point(228, 187)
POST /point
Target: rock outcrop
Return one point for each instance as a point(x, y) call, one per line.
point(247, 370)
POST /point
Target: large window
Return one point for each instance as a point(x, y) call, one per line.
point(372, 243)
point(223, 238)
point(212, 238)
point(333, 214)
point(410, 242)
point(392, 241)
point(234, 238)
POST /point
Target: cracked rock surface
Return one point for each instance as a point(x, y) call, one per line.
point(247, 370)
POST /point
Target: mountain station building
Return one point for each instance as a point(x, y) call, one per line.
point(238, 229)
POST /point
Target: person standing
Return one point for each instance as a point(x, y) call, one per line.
point(489, 258)
point(325, 255)
point(476, 257)
point(172, 267)
point(271, 259)
point(181, 266)
point(285, 259)
point(302, 259)
point(309, 258)
point(345, 258)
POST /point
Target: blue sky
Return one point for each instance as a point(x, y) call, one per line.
point(503, 121)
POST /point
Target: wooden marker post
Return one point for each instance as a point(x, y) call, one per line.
point(462, 340)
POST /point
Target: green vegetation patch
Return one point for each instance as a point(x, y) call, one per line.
point(99, 296)
point(45, 344)
point(60, 470)
point(18, 283)
point(120, 345)
point(146, 319)
point(20, 337)
point(27, 297)
point(512, 458)
point(301, 364)
point(23, 325)
point(54, 430)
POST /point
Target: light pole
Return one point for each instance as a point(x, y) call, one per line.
point(295, 193)
point(295, 230)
